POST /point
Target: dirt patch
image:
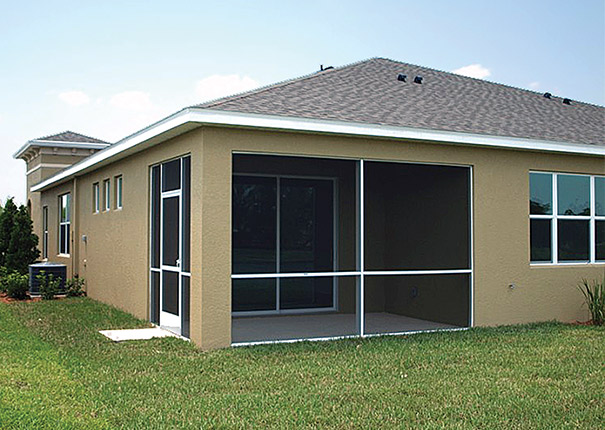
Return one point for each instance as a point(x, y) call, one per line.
point(589, 322)
point(5, 299)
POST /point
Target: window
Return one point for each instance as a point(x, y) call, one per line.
point(118, 182)
point(45, 232)
point(106, 195)
point(567, 218)
point(96, 198)
point(64, 222)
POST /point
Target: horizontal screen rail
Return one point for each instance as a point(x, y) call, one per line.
point(356, 273)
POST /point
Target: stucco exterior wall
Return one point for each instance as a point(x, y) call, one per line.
point(500, 184)
point(115, 258)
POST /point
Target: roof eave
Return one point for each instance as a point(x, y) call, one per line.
point(190, 118)
point(57, 144)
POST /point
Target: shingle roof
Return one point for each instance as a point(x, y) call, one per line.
point(70, 136)
point(369, 92)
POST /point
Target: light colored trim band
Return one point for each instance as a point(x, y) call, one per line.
point(190, 118)
point(49, 165)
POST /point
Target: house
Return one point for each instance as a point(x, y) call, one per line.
point(375, 198)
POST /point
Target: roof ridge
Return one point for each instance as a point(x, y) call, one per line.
point(279, 84)
point(541, 93)
point(72, 132)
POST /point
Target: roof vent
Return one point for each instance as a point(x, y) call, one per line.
point(566, 101)
point(401, 77)
point(547, 95)
point(418, 80)
point(322, 68)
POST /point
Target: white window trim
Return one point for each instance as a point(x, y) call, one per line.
point(106, 195)
point(96, 196)
point(64, 223)
point(45, 232)
point(554, 217)
point(119, 181)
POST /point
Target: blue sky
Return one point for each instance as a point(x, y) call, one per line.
point(109, 68)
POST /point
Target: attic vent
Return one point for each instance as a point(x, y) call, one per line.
point(547, 95)
point(322, 68)
point(418, 80)
point(566, 101)
point(401, 77)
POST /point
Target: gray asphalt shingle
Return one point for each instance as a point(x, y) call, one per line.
point(369, 92)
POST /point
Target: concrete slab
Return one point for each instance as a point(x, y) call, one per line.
point(137, 334)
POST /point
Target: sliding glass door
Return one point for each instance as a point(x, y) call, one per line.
point(283, 233)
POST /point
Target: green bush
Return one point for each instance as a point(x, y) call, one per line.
point(17, 285)
point(49, 285)
point(74, 287)
point(18, 243)
point(594, 296)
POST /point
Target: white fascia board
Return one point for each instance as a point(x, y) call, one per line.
point(58, 144)
point(197, 117)
point(385, 131)
point(173, 121)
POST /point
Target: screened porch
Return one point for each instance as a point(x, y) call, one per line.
point(328, 248)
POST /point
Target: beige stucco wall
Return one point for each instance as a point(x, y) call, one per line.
point(501, 226)
point(116, 264)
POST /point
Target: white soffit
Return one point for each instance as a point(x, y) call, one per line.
point(190, 118)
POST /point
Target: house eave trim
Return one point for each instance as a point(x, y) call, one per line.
point(272, 122)
point(57, 144)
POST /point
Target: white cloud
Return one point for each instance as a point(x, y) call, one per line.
point(74, 98)
point(216, 86)
point(473, 71)
point(534, 85)
point(137, 101)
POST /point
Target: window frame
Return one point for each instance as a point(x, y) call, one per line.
point(96, 198)
point(554, 218)
point(118, 185)
point(278, 274)
point(45, 232)
point(64, 225)
point(106, 195)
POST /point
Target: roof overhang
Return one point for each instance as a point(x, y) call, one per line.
point(191, 118)
point(57, 144)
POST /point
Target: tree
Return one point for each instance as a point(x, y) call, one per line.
point(18, 243)
point(7, 220)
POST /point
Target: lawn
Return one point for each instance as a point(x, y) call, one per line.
point(58, 372)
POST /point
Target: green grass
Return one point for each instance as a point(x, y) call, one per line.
point(57, 371)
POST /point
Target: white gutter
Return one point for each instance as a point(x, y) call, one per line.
point(198, 117)
point(58, 144)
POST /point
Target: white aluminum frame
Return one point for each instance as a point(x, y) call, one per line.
point(96, 198)
point(45, 232)
point(119, 183)
point(360, 273)
point(62, 223)
point(106, 195)
point(167, 320)
point(279, 275)
point(555, 217)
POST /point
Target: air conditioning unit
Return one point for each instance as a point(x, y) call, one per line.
point(57, 270)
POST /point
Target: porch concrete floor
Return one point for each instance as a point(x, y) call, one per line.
point(284, 327)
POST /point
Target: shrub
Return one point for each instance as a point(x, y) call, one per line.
point(18, 243)
point(17, 285)
point(74, 287)
point(49, 285)
point(594, 296)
